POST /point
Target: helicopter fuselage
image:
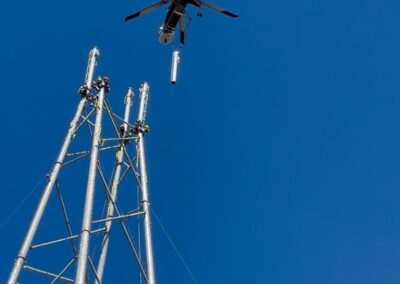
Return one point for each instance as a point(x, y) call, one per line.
point(175, 11)
point(176, 15)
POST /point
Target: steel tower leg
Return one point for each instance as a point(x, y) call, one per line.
point(90, 190)
point(114, 189)
point(22, 255)
point(144, 93)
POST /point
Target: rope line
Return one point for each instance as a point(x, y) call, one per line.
point(174, 247)
point(8, 218)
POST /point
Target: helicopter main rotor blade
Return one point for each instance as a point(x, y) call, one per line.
point(182, 29)
point(197, 3)
point(145, 10)
point(219, 9)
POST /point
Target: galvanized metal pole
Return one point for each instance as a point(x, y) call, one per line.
point(22, 255)
point(94, 53)
point(144, 93)
point(114, 189)
point(90, 189)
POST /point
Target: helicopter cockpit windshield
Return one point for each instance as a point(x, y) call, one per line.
point(166, 35)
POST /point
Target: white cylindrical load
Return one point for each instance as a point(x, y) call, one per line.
point(174, 66)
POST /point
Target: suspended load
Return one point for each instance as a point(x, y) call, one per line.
point(174, 66)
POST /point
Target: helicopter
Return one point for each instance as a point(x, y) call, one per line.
point(175, 14)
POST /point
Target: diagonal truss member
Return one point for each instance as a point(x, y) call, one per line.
point(126, 133)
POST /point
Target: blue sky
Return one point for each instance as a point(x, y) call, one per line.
point(274, 160)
